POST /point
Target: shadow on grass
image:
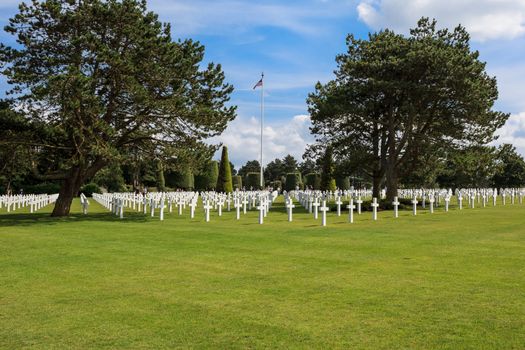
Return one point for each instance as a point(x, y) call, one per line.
point(27, 219)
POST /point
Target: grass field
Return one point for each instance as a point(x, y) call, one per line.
point(443, 281)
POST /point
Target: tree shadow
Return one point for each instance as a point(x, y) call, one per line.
point(29, 219)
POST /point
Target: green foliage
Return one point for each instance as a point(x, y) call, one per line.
point(253, 180)
point(183, 179)
point(327, 174)
point(510, 168)
point(109, 79)
point(293, 180)
point(237, 182)
point(396, 98)
point(207, 180)
point(224, 179)
point(42, 188)
point(313, 181)
point(472, 166)
point(343, 182)
point(276, 184)
point(89, 189)
point(252, 166)
point(111, 178)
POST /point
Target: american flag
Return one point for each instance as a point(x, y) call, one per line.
point(259, 83)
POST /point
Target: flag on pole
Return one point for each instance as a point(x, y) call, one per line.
point(259, 83)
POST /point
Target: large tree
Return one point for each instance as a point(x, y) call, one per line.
point(107, 77)
point(395, 97)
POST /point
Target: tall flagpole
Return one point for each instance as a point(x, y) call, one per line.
point(262, 121)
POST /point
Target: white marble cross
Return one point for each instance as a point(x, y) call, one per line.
point(237, 206)
point(261, 207)
point(207, 207)
point(414, 206)
point(396, 203)
point(460, 202)
point(316, 204)
point(161, 206)
point(447, 201)
point(324, 209)
point(338, 202)
point(374, 208)
point(431, 201)
point(193, 204)
point(351, 208)
point(359, 201)
point(290, 207)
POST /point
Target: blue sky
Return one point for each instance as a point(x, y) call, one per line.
point(295, 44)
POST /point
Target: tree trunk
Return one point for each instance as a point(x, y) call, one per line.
point(376, 184)
point(68, 191)
point(391, 183)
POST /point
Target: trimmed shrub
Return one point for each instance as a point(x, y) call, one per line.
point(293, 180)
point(237, 182)
point(208, 179)
point(313, 180)
point(253, 180)
point(276, 184)
point(224, 179)
point(343, 182)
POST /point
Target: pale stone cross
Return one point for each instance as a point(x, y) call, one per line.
point(460, 202)
point(396, 203)
point(193, 204)
point(351, 208)
point(161, 215)
point(261, 207)
point(324, 209)
point(447, 201)
point(290, 207)
point(316, 208)
point(431, 201)
point(414, 206)
point(244, 202)
point(237, 205)
point(338, 202)
point(359, 201)
point(207, 207)
point(374, 207)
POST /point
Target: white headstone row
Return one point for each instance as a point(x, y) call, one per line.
point(35, 202)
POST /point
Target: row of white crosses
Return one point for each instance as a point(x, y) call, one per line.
point(116, 202)
point(35, 202)
point(312, 200)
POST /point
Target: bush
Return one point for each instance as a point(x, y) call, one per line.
point(276, 184)
point(237, 182)
point(313, 181)
point(293, 180)
point(42, 188)
point(343, 182)
point(89, 189)
point(253, 181)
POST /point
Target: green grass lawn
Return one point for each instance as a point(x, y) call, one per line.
point(451, 280)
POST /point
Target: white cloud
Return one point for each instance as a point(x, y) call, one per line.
point(280, 138)
point(484, 19)
point(232, 16)
point(513, 132)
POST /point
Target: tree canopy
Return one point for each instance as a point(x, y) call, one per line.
point(105, 79)
point(396, 99)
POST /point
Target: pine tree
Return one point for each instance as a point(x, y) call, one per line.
point(224, 180)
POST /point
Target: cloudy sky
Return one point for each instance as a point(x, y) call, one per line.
point(295, 43)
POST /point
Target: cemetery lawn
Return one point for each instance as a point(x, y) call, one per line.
point(435, 281)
